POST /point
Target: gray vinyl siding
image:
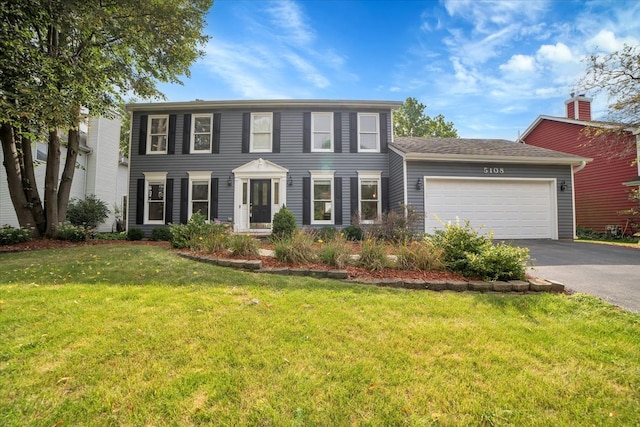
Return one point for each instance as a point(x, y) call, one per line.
point(418, 169)
point(396, 181)
point(291, 157)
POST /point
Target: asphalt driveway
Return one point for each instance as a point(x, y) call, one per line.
point(609, 272)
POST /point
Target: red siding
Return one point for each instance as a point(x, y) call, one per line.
point(600, 195)
point(571, 111)
point(584, 110)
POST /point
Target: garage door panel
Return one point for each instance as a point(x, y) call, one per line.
point(513, 209)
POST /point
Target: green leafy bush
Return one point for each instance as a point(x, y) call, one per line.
point(244, 245)
point(335, 251)
point(72, 233)
point(161, 234)
point(420, 255)
point(10, 235)
point(88, 212)
point(297, 249)
point(499, 262)
point(198, 234)
point(135, 233)
point(353, 232)
point(373, 255)
point(284, 224)
point(457, 240)
point(110, 236)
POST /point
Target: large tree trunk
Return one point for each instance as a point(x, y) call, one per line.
point(14, 180)
point(29, 184)
point(51, 178)
point(67, 174)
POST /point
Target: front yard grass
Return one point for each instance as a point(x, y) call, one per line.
point(135, 335)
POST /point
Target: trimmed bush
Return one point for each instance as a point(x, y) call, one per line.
point(244, 245)
point(72, 233)
point(499, 262)
point(296, 249)
point(10, 235)
point(135, 233)
point(161, 234)
point(88, 212)
point(284, 224)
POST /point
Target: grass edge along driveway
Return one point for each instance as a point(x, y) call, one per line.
point(134, 335)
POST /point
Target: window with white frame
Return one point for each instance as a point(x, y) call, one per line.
point(368, 132)
point(155, 192)
point(369, 196)
point(322, 197)
point(199, 193)
point(158, 134)
point(322, 131)
point(201, 129)
point(261, 130)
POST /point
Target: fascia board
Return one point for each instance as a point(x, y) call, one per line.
point(497, 159)
point(278, 103)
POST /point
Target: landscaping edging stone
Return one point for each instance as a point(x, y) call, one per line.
point(519, 286)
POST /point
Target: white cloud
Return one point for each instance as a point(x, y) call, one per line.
point(607, 42)
point(519, 64)
point(309, 72)
point(286, 14)
point(558, 53)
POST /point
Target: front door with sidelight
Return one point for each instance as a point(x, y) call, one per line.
point(260, 202)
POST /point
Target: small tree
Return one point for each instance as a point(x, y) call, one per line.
point(284, 224)
point(410, 120)
point(89, 212)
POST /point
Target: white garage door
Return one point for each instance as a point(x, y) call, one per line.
point(513, 209)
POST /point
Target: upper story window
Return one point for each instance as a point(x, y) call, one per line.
point(322, 131)
point(369, 196)
point(201, 130)
point(158, 134)
point(155, 192)
point(322, 197)
point(261, 132)
point(368, 132)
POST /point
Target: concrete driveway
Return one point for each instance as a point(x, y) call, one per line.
point(609, 272)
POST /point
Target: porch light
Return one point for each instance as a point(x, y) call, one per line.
point(230, 180)
point(289, 179)
point(419, 184)
point(563, 185)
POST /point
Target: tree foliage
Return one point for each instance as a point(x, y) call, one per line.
point(410, 120)
point(58, 57)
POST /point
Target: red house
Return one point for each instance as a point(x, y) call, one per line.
point(602, 189)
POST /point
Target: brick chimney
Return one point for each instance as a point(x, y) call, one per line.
point(579, 107)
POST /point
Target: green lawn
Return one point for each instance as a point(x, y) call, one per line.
point(134, 335)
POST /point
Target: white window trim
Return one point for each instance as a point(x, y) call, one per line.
point(322, 176)
point(154, 177)
point(193, 133)
point(149, 134)
point(370, 176)
point(199, 176)
point(251, 133)
point(371, 150)
point(313, 131)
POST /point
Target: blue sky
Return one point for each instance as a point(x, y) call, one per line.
point(490, 67)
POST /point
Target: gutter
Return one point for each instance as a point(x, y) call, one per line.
point(277, 103)
point(581, 161)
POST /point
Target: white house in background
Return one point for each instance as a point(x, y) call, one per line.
point(100, 170)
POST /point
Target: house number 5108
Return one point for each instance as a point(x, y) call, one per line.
point(494, 170)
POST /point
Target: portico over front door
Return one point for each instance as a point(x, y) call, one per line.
point(260, 201)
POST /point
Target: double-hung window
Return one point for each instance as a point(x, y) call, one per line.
point(261, 132)
point(155, 192)
point(369, 196)
point(322, 131)
point(199, 193)
point(322, 203)
point(158, 134)
point(368, 132)
point(201, 130)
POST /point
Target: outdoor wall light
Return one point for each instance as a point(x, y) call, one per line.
point(419, 184)
point(563, 185)
point(289, 179)
point(230, 180)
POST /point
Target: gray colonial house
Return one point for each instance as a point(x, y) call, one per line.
point(326, 160)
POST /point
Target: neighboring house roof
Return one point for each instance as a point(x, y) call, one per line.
point(464, 149)
point(274, 103)
point(585, 123)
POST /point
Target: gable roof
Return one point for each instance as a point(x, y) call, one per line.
point(477, 150)
point(584, 123)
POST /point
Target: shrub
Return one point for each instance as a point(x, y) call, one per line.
point(394, 226)
point(457, 241)
point(297, 249)
point(326, 233)
point(373, 255)
point(499, 262)
point(353, 232)
point(284, 224)
point(244, 245)
point(197, 234)
point(10, 235)
point(420, 255)
point(335, 252)
point(88, 212)
point(217, 239)
point(161, 234)
point(72, 233)
point(111, 236)
point(135, 233)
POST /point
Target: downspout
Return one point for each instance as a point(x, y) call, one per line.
point(573, 194)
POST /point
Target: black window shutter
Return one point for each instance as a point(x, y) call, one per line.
point(306, 132)
point(354, 195)
point(186, 134)
point(184, 200)
point(140, 202)
point(168, 202)
point(353, 132)
point(337, 195)
point(216, 133)
point(276, 132)
point(383, 133)
point(214, 199)
point(337, 132)
point(306, 200)
point(171, 146)
point(246, 130)
point(385, 194)
point(142, 137)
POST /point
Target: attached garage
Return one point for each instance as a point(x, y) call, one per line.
point(514, 190)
